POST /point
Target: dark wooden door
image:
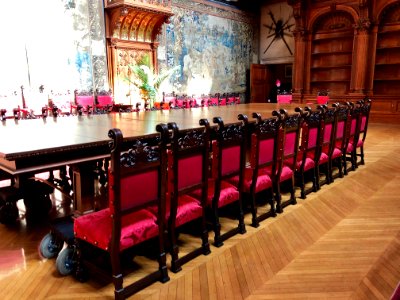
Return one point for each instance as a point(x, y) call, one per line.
point(260, 83)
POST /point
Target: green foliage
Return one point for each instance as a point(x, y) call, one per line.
point(146, 80)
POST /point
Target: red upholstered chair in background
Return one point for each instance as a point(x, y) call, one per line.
point(137, 191)
point(170, 99)
point(322, 99)
point(228, 161)
point(265, 161)
point(205, 100)
point(223, 100)
point(213, 100)
point(291, 124)
point(284, 98)
point(104, 101)
point(188, 169)
point(84, 102)
point(233, 98)
point(195, 101)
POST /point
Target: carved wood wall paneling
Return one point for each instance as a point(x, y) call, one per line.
point(331, 53)
point(387, 59)
point(132, 29)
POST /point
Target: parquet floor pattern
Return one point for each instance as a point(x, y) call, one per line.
point(342, 242)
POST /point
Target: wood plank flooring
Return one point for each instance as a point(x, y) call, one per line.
point(342, 242)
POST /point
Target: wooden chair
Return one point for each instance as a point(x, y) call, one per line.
point(213, 100)
point(365, 109)
point(265, 155)
point(188, 168)
point(205, 100)
point(327, 152)
point(84, 103)
point(137, 191)
point(339, 144)
point(353, 134)
point(104, 101)
point(309, 153)
point(223, 100)
point(228, 163)
point(291, 124)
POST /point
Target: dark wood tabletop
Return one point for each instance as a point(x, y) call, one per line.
point(37, 144)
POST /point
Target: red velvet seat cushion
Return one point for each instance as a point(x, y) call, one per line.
point(350, 148)
point(308, 164)
point(336, 153)
point(229, 193)
point(96, 228)
point(189, 208)
point(324, 158)
point(263, 181)
point(285, 174)
point(360, 143)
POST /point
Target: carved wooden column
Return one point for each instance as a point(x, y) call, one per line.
point(132, 27)
point(369, 82)
point(300, 53)
point(360, 57)
point(300, 40)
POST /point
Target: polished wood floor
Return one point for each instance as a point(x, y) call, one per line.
point(342, 242)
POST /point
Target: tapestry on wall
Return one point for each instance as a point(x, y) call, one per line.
point(213, 52)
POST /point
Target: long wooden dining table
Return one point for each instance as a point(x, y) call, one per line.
point(32, 146)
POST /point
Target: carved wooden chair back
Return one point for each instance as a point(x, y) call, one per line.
point(188, 169)
point(228, 165)
point(84, 102)
point(104, 101)
point(136, 210)
point(291, 125)
point(365, 109)
point(266, 149)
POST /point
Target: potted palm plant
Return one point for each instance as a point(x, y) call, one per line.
point(147, 81)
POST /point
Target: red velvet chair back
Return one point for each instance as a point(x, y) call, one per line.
point(223, 100)
point(341, 127)
point(213, 100)
point(322, 99)
point(188, 170)
point(84, 102)
point(267, 145)
point(229, 150)
point(104, 100)
point(292, 127)
point(137, 177)
point(284, 98)
point(188, 159)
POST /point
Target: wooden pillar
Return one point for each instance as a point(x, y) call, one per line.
point(369, 82)
point(360, 57)
point(298, 66)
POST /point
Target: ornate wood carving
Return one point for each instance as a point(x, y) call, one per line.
point(132, 27)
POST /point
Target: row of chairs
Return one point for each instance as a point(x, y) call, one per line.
point(287, 98)
point(28, 104)
point(174, 101)
point(157, 185)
